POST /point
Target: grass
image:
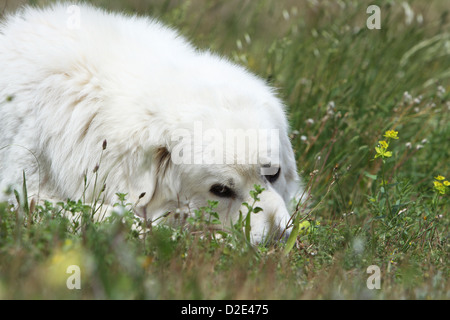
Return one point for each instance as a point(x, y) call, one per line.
point(344, 86)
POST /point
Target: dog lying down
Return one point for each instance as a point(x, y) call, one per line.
point(183, 126)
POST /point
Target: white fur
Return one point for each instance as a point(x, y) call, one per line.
point(134, 82)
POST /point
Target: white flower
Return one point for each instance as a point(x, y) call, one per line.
point(419, 18)
point(331, 105)
point(409, 13)
point(407, 97)
point(418, 99)
point(440, 91)
point(239, 44)
point(247, 38)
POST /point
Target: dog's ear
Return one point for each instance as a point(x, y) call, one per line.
point(148, 170)
point(161, 161)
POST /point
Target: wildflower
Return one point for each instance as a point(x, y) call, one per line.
point(247, 38)
point(439, 187)
point(407, 98)
point(419, 18)
point(239, 44)
point(384, 144)
point(437, 184)
point(382, 150)
point(382, 153)
point(440, 184)
point(409, 13)
point(331, 105)
point(331, 108)
point(391, 134)
point(440, 91)
point(418, 100)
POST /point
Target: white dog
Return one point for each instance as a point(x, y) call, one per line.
point(182, 126)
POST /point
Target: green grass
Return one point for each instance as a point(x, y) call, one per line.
point(344, 86)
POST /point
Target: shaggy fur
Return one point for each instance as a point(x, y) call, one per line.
point(135, 83)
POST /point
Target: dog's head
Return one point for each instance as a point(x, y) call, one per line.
point(223, 159)
point(213, 137)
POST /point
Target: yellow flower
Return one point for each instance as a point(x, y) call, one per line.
point(391, 134)
point(381, 149)
point(383, 144)
point(439, 177)
point(439, 187)
point(446, 183)
point(382, 152)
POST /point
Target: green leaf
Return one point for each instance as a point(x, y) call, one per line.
point(292, 238)
point(371, 176)
point(257, 209)
point(247, 227)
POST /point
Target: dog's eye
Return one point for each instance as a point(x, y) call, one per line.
point(222, 191)
point(274, 177)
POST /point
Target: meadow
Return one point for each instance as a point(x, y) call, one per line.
point(369, 111)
